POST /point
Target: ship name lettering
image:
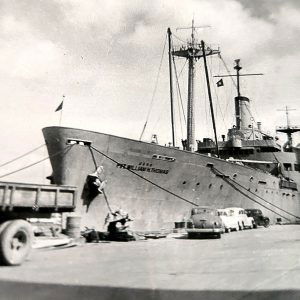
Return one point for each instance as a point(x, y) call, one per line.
point(142, 169)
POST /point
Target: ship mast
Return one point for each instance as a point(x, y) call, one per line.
point(171, 86)
point(192, 52)
point(288, 129)
point(239, 100)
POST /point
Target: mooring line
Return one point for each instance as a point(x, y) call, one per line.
point(233, 185)
point(67, 149)
point(153, 183)
point(21, 156)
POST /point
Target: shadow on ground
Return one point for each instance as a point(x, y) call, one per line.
point(11, 290)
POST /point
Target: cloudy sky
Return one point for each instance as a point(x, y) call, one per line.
point(104, 56)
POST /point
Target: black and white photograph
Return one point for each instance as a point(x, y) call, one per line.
point(150, 149)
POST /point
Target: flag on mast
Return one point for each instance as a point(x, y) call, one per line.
point(60, 106)
point(220, 83)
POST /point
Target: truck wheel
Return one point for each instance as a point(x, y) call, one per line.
point(15, 242)
point(4, 225)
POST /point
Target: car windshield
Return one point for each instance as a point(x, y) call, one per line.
point(254, 211)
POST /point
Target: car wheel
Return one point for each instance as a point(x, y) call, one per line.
point(218, 235)
point(228, 230)
point(237, 228)
point(241, 226)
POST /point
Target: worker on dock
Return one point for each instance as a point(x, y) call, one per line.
point(117, 226)
point(96, 182)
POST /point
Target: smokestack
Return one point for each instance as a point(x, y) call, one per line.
point(259, 126)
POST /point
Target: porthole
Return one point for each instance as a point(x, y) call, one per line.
point(234, 176)
point(221, 186)
point(184, 182)
point(251, 178)
point(198, 183)
point(210, 185)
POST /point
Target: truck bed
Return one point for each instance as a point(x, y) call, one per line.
point(34, 199)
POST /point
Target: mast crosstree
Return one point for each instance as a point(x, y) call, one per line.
point(192, 51)
point(240, 101)
point(288, 129)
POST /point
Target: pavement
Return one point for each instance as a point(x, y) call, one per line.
point(261, 263)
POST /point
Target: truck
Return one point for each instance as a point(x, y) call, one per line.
point(18, 203)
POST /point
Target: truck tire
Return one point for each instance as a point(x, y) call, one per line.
point(4, 225)
point(15, 242)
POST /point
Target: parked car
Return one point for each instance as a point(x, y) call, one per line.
point(229, 222)
point(205, 222)
point(241, 219)
point(259, 218)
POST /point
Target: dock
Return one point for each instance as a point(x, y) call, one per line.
point(261, 263)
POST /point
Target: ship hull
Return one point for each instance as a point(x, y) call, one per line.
point(159, 185)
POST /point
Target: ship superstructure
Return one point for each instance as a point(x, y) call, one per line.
point(158, 185)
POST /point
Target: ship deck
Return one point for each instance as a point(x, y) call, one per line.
point(262, 263)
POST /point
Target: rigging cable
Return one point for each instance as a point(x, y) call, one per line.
point(227, 69)
point(138, 175)
point(155, 88)
point(103, 191)
point(21, 156)
point(230, 183)
point(215, 171)
point(177, 81)
point(180, 97)
point(234, 83)
point(67, 149)
point(218, 102)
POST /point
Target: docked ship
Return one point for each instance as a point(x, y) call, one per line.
point(158, 185)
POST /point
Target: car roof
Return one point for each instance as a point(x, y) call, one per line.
point(234, 208)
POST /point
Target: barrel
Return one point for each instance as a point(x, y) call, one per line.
point(73, 226)
point(179, 225)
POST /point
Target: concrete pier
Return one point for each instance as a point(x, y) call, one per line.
point(262, 263)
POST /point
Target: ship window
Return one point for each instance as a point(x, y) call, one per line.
point(262, 182)
point(297, 167)
point(221, 186)
point(210, 185)
point(198, 183)
point(163, 157)
point(287, 167)
point(251, 178)
point(184, 182)
point(78, 142)
point(234, 175)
